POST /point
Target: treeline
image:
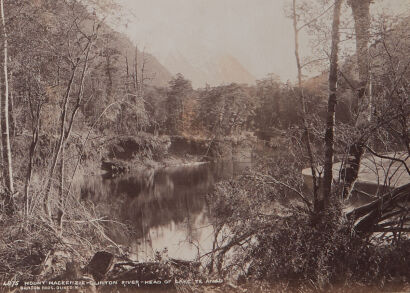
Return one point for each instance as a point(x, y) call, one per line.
point(227, 109)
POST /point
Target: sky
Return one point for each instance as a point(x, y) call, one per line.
point(256, 32)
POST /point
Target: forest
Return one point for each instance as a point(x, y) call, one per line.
point(78, 98)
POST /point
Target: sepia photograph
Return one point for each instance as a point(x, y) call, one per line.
point(205, 146)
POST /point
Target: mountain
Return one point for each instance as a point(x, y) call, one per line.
point(212, 70)
point(231, 70)
point(114, 43)
point(177, 63)
point(157, 74)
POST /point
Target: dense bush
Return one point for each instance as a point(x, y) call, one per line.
point(141, 146)
point(328, 254)
point(275, 240)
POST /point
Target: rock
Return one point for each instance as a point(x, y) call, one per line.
point(100, 264)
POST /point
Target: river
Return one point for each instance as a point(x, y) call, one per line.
point(162, 209)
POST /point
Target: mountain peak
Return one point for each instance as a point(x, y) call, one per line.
point(233, 71)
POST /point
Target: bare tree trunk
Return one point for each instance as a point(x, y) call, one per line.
point(65, 134)
point(33, 146)
point(361, 15)
point(46, 203)
point(62, 167)
point(109, 75)
point(142, 79)
point(60, 214)
point(136, 69)
point(128, 73)
point(128, 84)
point(60, 211)
point(79, 93)
point(315, 180)
point(331, 107)
point(11, 108)
point(7, 162)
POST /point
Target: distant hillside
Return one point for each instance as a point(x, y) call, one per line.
point(121, 43)
point(231, 70)
point(157, 73)
point(214, 70)
point(177, 63)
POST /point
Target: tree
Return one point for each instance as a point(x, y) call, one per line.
point(180, 89)
point(225, 110)
point(331, 110)
point(361, 15)
point(269, 110)
point(78, 47)
point(315, 179)
point(4, 95)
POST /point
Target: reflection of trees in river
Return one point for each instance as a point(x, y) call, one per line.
point(153, 199)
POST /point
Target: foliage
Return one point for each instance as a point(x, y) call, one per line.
point(139, 147)
point(180, 91)
point(226, 110)
point(325, 255)
point(263, 234)
point(31, 247)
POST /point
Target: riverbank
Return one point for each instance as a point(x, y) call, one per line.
point(38, 248)
point(117, 167)
point(134, 154)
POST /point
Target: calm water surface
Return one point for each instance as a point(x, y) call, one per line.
point(164, 209)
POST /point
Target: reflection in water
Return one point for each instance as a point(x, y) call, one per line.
point(164, 208)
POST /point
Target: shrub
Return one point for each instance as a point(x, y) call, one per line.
point(142, 146)
point(283, 243)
